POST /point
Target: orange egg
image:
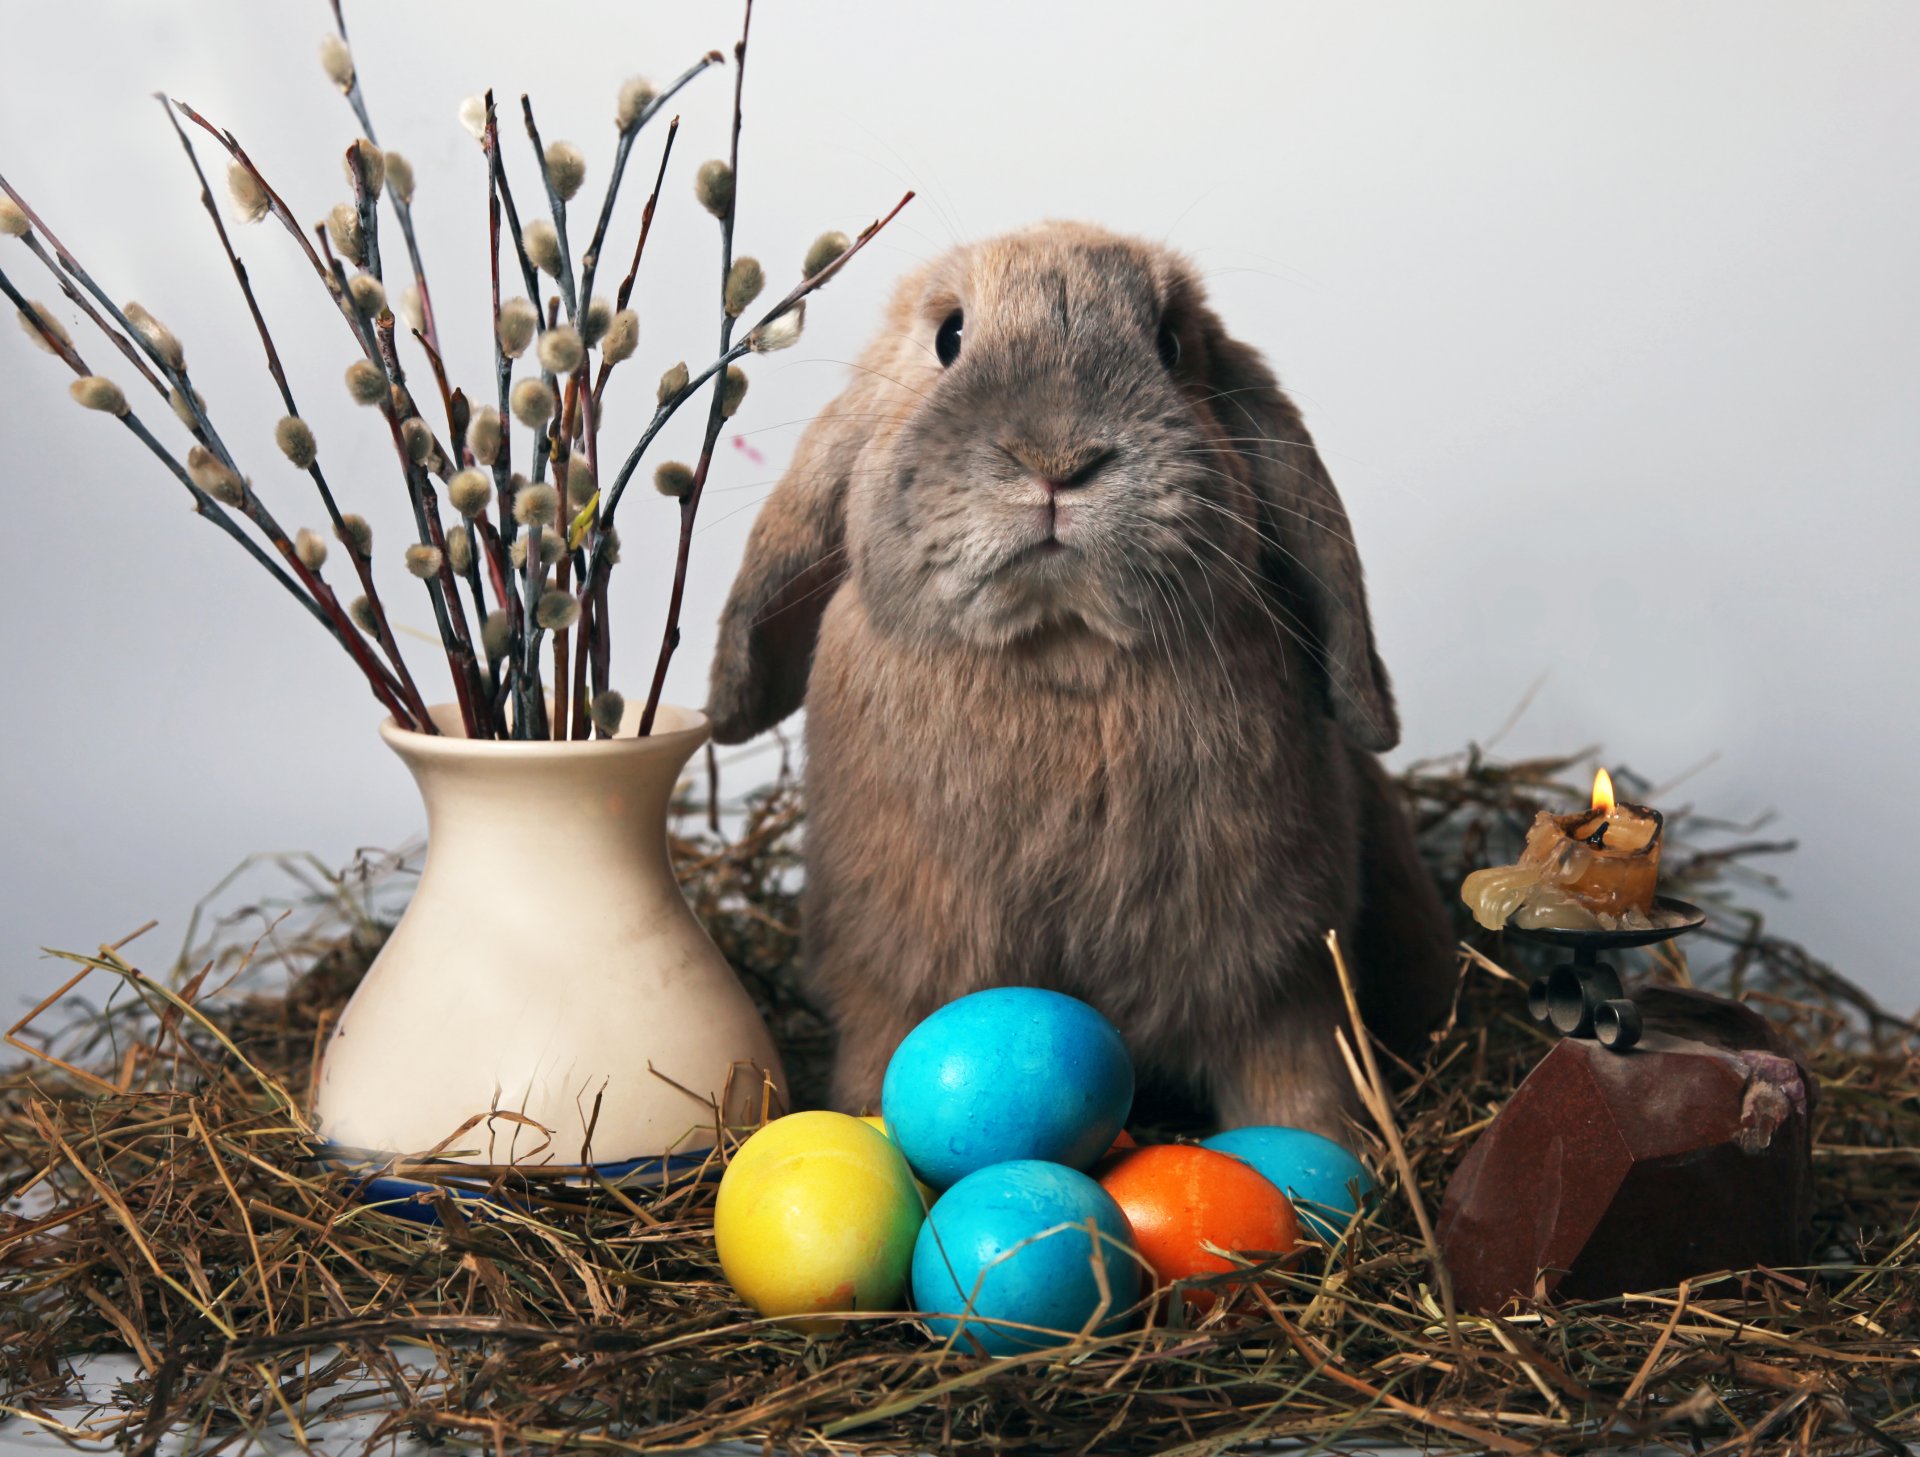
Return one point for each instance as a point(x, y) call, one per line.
point(1179, 1198)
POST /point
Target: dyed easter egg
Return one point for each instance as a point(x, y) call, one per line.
point(1178, 1199)
point(1012, 1243)
point(817, 1211)
point(1008, 1073)
point(1316, 1173)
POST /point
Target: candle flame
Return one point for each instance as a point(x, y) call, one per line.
point(1603, 790)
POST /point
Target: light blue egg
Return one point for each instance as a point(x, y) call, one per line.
point(985, 1254)
point(1008, 1073)
point(1316, 1173)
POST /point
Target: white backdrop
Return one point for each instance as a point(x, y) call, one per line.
point(1604, 315)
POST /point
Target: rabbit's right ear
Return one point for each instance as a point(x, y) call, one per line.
point(795, 561)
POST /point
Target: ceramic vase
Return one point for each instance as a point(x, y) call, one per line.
point(548, 999)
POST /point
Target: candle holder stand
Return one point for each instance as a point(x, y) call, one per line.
point(1583, 997)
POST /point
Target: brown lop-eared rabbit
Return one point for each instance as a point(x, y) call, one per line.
point(1092, 696)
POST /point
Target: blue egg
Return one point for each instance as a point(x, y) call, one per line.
point(1314, 1172)
point(986, 1253)
point(1009, 1073)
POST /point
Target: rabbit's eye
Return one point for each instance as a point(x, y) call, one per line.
point(946, 343)
point(1169, 346)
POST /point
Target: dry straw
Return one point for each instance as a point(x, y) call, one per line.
point(166, 1210)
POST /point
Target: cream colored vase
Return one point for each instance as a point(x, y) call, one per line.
point(548, 960)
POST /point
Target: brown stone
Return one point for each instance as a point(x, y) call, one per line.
point(1612, 1171)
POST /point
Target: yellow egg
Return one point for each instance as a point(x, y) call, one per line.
point(817, 1211)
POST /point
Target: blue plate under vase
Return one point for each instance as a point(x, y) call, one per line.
point(410, 1198)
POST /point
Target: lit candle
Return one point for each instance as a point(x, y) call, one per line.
point(1594, 869)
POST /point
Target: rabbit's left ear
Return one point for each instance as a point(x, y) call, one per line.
point(1308, 554)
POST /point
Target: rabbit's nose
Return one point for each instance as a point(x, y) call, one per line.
point(1064, 470)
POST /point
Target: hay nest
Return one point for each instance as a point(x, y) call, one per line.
point(177, 1268)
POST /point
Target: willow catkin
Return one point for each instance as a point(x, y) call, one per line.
point(636, 95)
point(543, 246)
point(367, 294)
point(496, 633)
point(295, 439)
point(713, 186)
point(536, 504)
point(214, 476)
point(400, 177)
point(336, 59)
point(343, 226)
point(566, 169)
point(159, 337)
point(366, 382)
point(780, 333)
point(533, 403)
point(823, 250)
point(247, 194)
point(556, 611)
point(745, 279)
point(580, 482)
point(97, 392)
point(483, 434)
point(470, 491)
point(39, 323)
point(518, 321)
point(366, 165)
point(594, 319)
point(609, 707)
point(621, 338)
point(311, 548)
point(561, 350)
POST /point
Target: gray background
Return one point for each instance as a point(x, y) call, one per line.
point(1604, 316)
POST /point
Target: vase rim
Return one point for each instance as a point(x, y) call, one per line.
point(676, 729)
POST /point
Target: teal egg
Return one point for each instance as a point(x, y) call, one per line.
point(1316, 1173)
point(1012, 1243)
point(1004, 1074)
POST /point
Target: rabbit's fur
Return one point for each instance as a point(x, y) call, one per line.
point(1137, 764)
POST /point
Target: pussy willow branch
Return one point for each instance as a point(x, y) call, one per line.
point(528, 704)
point(584, 631)
point(367, 206)
point(738, 351)
point(426, 511)
point(402, 209)
point(557, 208)
point(179, 385)
point(716, 415)
point(611, 498)
point(594, 623)
point(203, 504)
point(590, 260)
point(80, 301)
point(498, 168)
point(459, 657)
point(363, 567)
point(306, 586)
point(640, 246)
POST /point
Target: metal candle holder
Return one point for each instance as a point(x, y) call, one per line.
point(1583, 997)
